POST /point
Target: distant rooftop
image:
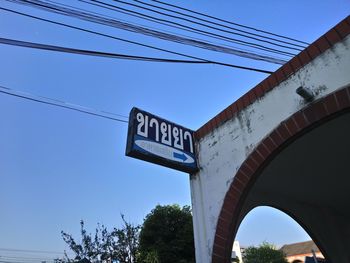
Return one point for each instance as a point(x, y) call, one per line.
point(299, 248)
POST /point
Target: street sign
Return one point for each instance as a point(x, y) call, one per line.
point(159, 141)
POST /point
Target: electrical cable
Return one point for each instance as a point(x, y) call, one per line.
point(6, 261)
point(166, 31)
point(230, 22)
point(185, 28)
point(73, 107)
point(149, 32)
point(27, 250)
point(133, 42)
point(19, 43)
point(26, 258)
point(174, 26)
point(229, 39)
point(218, 24)
point(204, 25)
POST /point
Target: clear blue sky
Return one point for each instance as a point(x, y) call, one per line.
point(58, 166)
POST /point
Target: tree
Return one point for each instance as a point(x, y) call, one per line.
point(126, 242)
point(120, 245)
point(167, 235)
point(88, 248)
point(265, 253)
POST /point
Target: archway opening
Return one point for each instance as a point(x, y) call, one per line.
point(309, 181)
point(305, 176)
point(268, 224)
point(265, 224)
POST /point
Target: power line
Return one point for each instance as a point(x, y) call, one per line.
point(26, 258)
point(230, 22)
point(183, 27)
point(204, 25)
point(27, 250)
point(229, 39)
point(166, 31)
point(134, 42)
point(183, 39)
point(53, 102)
point(23, 260)
point(219, 24)
point(16, 261)
point(20, 43)
point(146, 31)
point(170, 25)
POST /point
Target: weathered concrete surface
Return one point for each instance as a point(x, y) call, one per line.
point(222, 151)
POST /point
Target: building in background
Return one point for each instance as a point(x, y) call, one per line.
point(236, 253)
point(297, 252)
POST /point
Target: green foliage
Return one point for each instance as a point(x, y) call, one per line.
point(88, 247)
point(125, 242)
point(151, 257)
point(167, 235)
point(265, 253)
point(121, 244)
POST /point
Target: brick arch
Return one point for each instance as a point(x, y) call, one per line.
point(301, 122)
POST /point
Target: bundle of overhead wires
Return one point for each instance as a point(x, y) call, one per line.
point(285, 48)
point(249, 42)
point(11, 255)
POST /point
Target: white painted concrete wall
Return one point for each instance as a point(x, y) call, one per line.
point(222, 152)
point(236, 250)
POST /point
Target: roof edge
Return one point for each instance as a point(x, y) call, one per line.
point(318, 47)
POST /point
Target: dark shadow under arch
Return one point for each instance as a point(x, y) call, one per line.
point(299, 124)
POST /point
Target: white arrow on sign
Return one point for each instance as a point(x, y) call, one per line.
point(164, 151)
